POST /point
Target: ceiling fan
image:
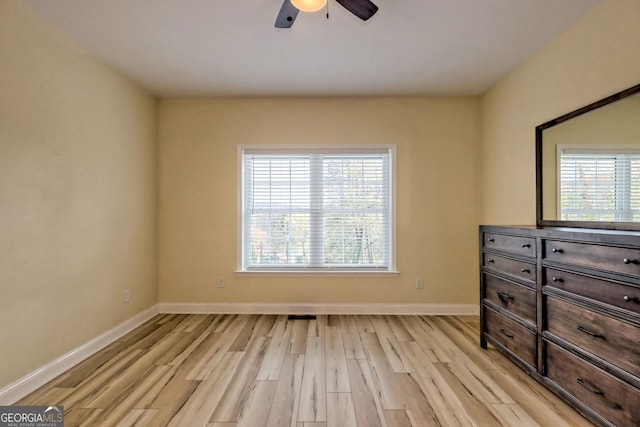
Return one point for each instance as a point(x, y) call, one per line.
point(363, 9)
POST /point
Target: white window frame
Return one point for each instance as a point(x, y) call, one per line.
point(391, 268)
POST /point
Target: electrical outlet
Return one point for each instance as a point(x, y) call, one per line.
point(419, 283)
point(221, 282)
point(125, 296)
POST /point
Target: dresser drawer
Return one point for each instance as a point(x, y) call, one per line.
point(612, 340)
point(512, 267)
point(614, 259)
point(514, 337)
point(525, 246)
point(614, 293)
point(613, 399)
point(518, 299)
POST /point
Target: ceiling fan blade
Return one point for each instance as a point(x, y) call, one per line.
point(287, 15)
point(363, 9)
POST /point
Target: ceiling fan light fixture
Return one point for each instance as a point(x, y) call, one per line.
point(309, 5)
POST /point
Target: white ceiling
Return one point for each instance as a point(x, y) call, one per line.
point(231, 47)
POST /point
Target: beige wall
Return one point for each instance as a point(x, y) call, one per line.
point(595, 58)
point(77, 196)
point(436, 199)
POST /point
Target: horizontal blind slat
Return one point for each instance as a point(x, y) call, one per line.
point(600, 186)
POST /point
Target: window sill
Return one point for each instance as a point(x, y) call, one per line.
point(341, 273)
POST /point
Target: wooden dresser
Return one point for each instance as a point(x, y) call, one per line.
point(564, 304)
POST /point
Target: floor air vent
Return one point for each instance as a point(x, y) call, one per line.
point(302, 317)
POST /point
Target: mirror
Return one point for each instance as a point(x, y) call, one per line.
point(588, 165)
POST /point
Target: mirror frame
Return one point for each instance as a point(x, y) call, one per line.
point(609, 225)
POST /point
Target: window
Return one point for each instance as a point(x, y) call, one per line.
point(317, 209)
point(599, 184)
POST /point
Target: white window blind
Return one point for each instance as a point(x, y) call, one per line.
point(317, 209)
point(600, 184)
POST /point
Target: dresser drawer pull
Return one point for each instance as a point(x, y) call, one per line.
point(505, 297)
point(630, 261)
point(557, 251)
point(557, 279)
point(589, 387)
point(491, 240)
point(491, 261)
point(588, 332)
point(627, 298)
point(525, 270)
point(506, 334)
point(525, 245)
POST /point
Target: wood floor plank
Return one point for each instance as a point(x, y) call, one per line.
point(313, 399)
point(337, 377)
point(445, 346)
point(284, 411)
point(258, 406)
point(513, 415)
point(164, 318)
point(120, 405)
point(299, 334)
point(333, 320)
point(279, 324)
point(222, 321)
point(474, 404)
point(99, 381)
point(138, 418)
point(397, 327)
point(82, 417)
point(47, 396)
point(130, 376)
point(218, 345)
point(366, 404)
point(197, 409)
point(390, 345)
point(153, 337)
point(425, 337)
point(104, 358)
point(397, 418)
point(236, 394)
point(190, 323)
point(462, 343)
point(420, 408)
point(477, 382)
point(193, 341)
point(242, 338)
point(278, 347)
point(340, 411)
point(384, 378)
point(426, 323)
point(173, 394)
point(351, 338)
point(264, 325)
point(317, 325)
point(446, 404)
point(364, 325)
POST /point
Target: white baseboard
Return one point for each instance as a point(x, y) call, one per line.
point(320, 308)
point(22, 387)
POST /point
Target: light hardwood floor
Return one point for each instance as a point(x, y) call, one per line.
point(266, 370)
